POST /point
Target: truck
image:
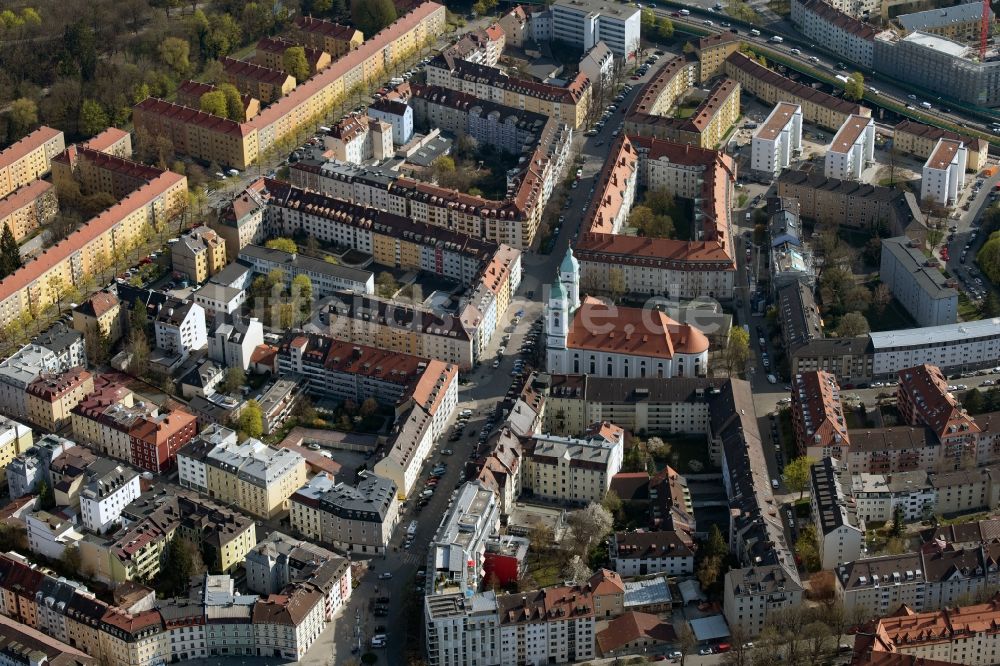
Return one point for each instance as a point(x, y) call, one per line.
point(776, 39)
point(412, 528)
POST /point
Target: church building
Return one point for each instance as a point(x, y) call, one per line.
point(590, 336)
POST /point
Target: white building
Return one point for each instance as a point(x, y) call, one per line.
point(19, 370)
point(218, 299)
point(583, 23)
point(640, 553)
point(574, 470)
point(836, 27)
point(109, 488)
point(462, 629)
point(180, 327)
point(777, 140)
point(354, 518)
point(923, 290)
point(358, 139)
point(50, 535)
point(878, 496)
point(952, 347)
point(595, 338)
point(853, 147)
point(457, 551)
point(32, 466)
point(841, 535)
point(598, 62)
point(943, 174)
point(325, 277)
point(232, 344)
point(397, 114)
point(752, 594)
point(410, 443)
point(191, 468)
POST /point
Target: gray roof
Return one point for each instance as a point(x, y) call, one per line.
point(961, 332)
point(174, 311)
point(231, 273)
point(931, 281)
point(632, 390)
point(302, 263)
point(369, 501)
point(829, 496)
point(828, 347)
point(798, 314)
point(970, 12)
point(217, 292)
point(58, 338)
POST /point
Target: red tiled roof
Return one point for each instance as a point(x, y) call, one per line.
point(33, 141)
point(23, 196)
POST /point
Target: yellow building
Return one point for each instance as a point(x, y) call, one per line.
point(334, 38)
point(919, 140)
point(270, 52)
point(88, 251)
point(28, 207)
point(264, 83)
point(253, 476)
point(99, 319)
point(29, 158)
point(52, 396)
point(199, 254)
point(712, 52)
point(238, 144)
point(15, 438)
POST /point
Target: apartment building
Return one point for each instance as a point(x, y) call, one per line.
point(88, 250)
point(965, 634)
point(933, 578)
point(712, 51)
point(155, 440)
point(401, 327)
point(961, 23)
point(18, 371)
point(357, 139)
point(818, 416)
point(836, 29)
point(818, 108)
point(878, 497)
point(777, 140)
point(706, 127)
point(854, 204)
point(489, 123)
point(263, 83)
point(104, 418)
point(397, 114)
point(28, 207)
point(219, 300)
point(95, 171)
point(15, 439)
point(198, 254)
point(584, 23)
point(108, 487)
point(639, 405)
point(237, 144)
point(753, 595)
point(270, 51)
point(326, 278)
point(335, 39)
point(180, 327)
point(354, 518)
point(798, 316)
point(665, 267)
point(99, 319)
point(51, 397)
point(457, 551)
point(955, 347)
point(853, 148)
point(597, 63)
point(233, 344)
point(929, 297)
point(574, 470)
point(641, 553)
point(660, 93)
point(943, 175)
point(567, 104)
point(923, 399)
point(913, 138)
point(29, 158)
point(251, 475)
point(840, 531)
point(189, 94)
point(31, 466)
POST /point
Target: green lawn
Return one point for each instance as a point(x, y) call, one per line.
point(684, 449)
point(544, 568)
point(967, 310)
point(684, 111)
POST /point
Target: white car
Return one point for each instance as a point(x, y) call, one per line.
point(385, 575)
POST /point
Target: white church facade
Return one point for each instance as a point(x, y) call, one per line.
point(590, 336)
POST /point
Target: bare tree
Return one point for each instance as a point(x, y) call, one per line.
point(686, 640)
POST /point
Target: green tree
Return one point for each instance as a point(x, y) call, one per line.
point(806, 548)
point(214, 102)
point(854, 89)
point(283, 244)
point(988, 257)
point(647, 20)
point(10, 253)
point(974, 401)
point(613, 504)
point(737, 350)
point(234, 101)
point(797, 474)
point(386, 285)
point(991, 305)
point(370, 16)
point(71, 561)
point(181, 561)
point(852, 325)
point(175, 54)
point(897, 522)
point(664, 28)
point(251, 421)
point(236, 379)
point(302, 288)
point(93, 118)
point(22, 115)
point(295, 63)
point(46, 496)
point(13, 537)
point(138, 319)
point(716, 545)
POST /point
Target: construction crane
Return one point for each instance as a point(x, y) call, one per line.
point(984, 30)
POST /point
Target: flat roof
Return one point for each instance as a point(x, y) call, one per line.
point(850, 132)
point(934, 335)
point(710, 628)
point(777, 120)
point(936, 43)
